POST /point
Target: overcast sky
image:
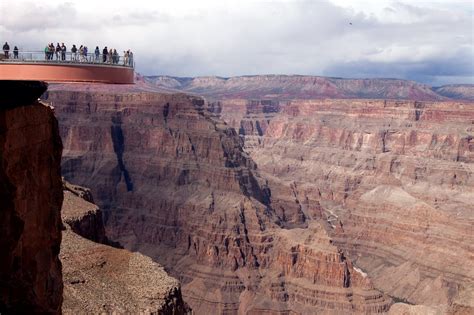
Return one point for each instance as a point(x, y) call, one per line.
point(427, 41)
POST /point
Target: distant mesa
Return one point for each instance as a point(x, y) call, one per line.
point(287, 87)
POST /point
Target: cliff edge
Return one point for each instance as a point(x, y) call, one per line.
point(30, 202)
point(100, 278)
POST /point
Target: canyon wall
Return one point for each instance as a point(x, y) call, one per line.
point(99, 278)
point(175, 184)
point(392, 180)
point(30, 202)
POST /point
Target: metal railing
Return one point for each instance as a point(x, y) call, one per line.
point(68, 58)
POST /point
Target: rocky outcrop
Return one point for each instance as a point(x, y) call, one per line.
point(82, 215)
point(392, 180)
point(287, 87)
point(175, 184)
point(30, 202)
point(100, 278)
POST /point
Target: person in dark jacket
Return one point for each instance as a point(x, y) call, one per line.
point(74, 53)
point(105, 52)
point(57, 51)
point(6, 50)
point(63, 52)
point(15, 53)
point(51, 51)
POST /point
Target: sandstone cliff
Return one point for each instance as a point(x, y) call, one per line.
point(100, 278)
point(392, 180)
point(175, 184)
point(30, 202)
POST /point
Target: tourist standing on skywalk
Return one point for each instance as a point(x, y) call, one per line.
point(6, 50)
point(63, 52)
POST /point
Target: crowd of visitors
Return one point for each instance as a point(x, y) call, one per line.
point(81, 54)
point(59, 52)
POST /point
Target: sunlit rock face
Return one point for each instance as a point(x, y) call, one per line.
point(176, 184)
point(30, 202)
point(392, 179)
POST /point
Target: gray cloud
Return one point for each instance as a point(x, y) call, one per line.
point(140, 18)
point(33, 16)
point(428, 41)
point(457, 68)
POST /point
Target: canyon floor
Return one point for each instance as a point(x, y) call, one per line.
point(261, 205)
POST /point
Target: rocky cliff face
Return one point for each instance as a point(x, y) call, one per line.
point(100, 278)
point(30, 202)
point(286, 87)
point(393, 181)
point(175, 184)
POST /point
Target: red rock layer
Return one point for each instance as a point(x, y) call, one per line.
point(285, 87)
point(176, 185)
point(30, 203)
point(392, 179)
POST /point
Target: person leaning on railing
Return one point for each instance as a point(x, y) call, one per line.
point(15, 53)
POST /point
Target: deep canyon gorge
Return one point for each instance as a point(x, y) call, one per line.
point(247, 195)
point(266, 202)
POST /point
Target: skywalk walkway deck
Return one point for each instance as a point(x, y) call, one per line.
point(36, 66)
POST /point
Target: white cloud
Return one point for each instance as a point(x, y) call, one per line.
point(219, 37)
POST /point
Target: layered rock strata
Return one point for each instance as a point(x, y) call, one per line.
point(287, 87)
point(175, 184)
point(30, 202)
point(391, 180)
point(100, 278)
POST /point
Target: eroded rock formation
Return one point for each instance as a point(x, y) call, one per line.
point(30, 202)
point(175, 184)
point(100, 278)
point(392, 179)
